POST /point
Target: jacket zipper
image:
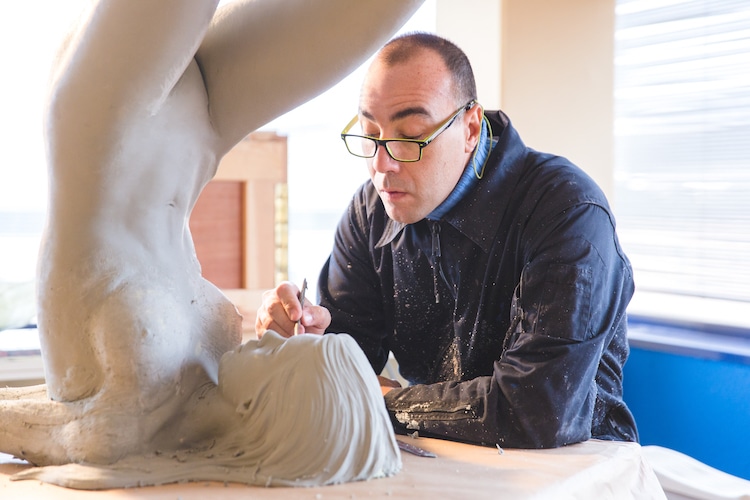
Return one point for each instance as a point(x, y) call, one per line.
point(424, 412)
point(437, 263)
point(435, 229)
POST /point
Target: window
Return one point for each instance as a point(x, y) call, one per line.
point(682, 156)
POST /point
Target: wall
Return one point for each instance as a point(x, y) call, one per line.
point(475, 25)
point(548, 64)
point(694, 404)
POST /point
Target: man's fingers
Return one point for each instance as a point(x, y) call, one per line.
point(315, 319)
point(281, 309)
point(288, 295)
point(274, 312)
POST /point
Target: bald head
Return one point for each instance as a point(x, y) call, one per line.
point(411, 46)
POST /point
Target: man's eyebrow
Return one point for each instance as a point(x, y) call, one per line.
point(403, 113)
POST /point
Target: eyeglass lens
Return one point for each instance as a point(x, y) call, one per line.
point(399, 150)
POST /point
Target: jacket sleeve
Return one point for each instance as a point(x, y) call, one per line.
point(568, 308)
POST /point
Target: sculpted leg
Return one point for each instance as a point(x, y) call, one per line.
point(29, 392)
point(33, 428)
point(155, 383)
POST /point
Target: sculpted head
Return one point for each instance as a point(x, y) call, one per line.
point(310, 406)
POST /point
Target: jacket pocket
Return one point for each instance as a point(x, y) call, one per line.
point(561, 302)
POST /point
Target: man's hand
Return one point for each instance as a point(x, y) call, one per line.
point(281, 309)
point(386, 384)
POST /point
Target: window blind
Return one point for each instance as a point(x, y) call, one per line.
point(682, 147)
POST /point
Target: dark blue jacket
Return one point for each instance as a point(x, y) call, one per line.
point(507, 316)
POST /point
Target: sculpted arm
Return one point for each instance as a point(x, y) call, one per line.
point(129, 54)
point(269, 56)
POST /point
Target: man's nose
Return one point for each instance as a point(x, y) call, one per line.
point(382, 161)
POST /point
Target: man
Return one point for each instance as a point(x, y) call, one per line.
point(491, 271)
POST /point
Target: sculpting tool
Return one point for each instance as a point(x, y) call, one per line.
point(414, 450)
point(298, 324)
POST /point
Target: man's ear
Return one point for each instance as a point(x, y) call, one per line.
point(474, 126)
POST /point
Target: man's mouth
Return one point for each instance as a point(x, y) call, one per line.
point(390, 194)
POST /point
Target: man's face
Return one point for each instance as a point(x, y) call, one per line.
point(409, 100)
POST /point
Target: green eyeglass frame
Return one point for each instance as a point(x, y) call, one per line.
point(364, 139)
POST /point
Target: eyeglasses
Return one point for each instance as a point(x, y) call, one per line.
point(403, 150)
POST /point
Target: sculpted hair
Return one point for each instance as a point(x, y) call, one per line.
point(405, 47)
